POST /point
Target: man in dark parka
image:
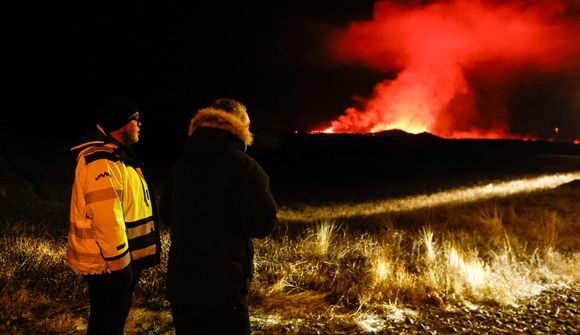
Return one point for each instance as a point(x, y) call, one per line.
point(216, 200)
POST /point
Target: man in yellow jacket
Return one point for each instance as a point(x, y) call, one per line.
point(113, 231)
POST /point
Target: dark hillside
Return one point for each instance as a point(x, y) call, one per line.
point(344, 166)
point(317, 168)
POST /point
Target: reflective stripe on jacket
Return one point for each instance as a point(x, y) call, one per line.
point(112, 222)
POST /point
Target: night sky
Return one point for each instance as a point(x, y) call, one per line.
point(172, 60)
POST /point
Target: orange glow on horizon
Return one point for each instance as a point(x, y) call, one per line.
point(491, 135)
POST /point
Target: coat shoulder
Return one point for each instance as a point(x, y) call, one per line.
point(248, 162)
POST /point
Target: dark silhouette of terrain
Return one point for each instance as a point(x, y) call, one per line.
point(318, 168)
point(343, 167)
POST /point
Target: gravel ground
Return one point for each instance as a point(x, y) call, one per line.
point(554, 311)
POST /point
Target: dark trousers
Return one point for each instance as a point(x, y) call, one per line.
point(110, 296)
point(189, 320)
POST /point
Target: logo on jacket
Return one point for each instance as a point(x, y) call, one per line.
point(102, 175)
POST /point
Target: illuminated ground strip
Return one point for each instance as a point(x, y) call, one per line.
point(452, 196)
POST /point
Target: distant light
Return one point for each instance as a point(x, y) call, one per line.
point(452, 196)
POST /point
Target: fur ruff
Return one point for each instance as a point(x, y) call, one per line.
point(217, 118)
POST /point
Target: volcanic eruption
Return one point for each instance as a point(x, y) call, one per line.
point(453, 64)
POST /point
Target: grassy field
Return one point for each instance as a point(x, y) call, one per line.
point(334, 268)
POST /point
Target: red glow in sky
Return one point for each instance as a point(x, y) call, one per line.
point(445, 54)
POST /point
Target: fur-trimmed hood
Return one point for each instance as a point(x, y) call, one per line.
point(217, 118)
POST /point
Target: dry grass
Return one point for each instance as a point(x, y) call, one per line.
point(333, 272)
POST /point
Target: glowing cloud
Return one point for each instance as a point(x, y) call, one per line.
point(454, 63)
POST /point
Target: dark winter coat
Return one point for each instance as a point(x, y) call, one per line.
point(216, 200)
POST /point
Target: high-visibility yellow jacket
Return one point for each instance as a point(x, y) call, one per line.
point(112, 217)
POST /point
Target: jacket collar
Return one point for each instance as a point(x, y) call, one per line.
point(97, 137)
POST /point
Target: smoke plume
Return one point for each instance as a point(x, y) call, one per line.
point(456, 63)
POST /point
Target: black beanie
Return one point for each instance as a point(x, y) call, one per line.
point(114, 112)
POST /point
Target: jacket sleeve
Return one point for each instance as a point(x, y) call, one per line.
point(255, 204)
point(165, 205)
point(105, 184)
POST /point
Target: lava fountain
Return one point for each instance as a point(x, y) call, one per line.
point(454, 61)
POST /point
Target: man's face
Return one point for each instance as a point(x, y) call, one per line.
point(130, 132)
